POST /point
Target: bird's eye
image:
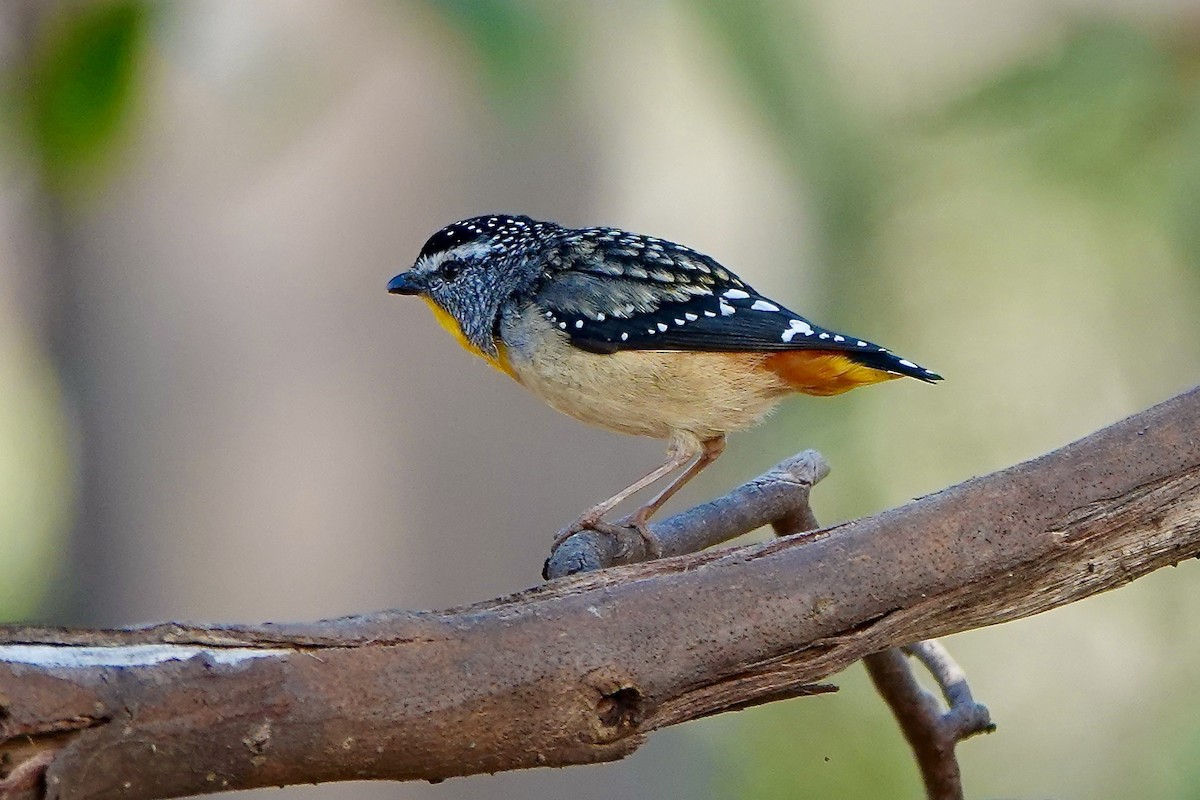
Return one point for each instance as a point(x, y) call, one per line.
point(450, 269)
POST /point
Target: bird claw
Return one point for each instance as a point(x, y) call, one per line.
point(611, 529)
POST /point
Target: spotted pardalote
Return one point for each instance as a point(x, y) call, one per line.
point(635, 334)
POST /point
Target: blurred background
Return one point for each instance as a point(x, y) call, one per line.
point(210, 408)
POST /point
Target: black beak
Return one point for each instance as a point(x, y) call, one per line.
point(405, 283)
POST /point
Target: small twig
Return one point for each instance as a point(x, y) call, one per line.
point(932, 733)
point(963, 717)
point(919, 717)
point(778, 495)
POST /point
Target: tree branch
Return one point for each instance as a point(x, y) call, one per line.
point(581, 669)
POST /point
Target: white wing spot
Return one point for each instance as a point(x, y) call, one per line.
point(662, 326)
point(839, 338)
point(823, 336)
point(600, 316)
point(710, 313)
point(726, 309)
point(904, 362)
point(679, 321)
point(736, 294)
point(562, 325)
point(624, 336)
point(763, 305)
point(578, 323)
point(796, 326)
point(690, 317)
point(861, 343)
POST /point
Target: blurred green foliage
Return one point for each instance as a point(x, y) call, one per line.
point(81, 85)
point(521, 55)
point(844, 745)
point(772, 46)
point(35, 479)
point(1113, 114)
point(70, 100)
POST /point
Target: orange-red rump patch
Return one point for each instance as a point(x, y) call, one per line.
point(823, 372)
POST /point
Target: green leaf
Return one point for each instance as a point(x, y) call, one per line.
point(81, 84)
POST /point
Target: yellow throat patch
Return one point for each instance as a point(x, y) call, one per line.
point(447, 321)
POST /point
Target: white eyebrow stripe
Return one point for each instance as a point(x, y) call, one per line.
point(479, 248)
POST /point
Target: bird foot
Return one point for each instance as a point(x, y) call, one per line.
point(612, 529)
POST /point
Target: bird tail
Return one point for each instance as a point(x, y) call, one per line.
point(829, 372)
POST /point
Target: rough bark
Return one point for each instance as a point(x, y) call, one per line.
point(579, 670)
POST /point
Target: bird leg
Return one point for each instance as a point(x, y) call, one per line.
point(678, 454)
point(710, 450)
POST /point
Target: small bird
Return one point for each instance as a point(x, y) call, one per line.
point(635, 334)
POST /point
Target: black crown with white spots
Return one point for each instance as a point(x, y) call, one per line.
point(503, 232)
point(610, 290)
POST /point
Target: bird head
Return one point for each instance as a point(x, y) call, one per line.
point(469, 269)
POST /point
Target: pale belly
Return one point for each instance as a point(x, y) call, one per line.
point(663, 394)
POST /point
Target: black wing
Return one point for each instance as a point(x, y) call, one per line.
point(610, 290)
